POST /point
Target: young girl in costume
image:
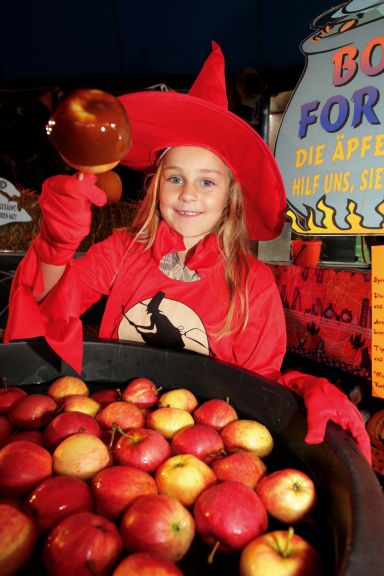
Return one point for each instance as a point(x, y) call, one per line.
point(182, 275)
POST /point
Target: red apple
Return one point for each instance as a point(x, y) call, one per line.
point(17, 538)
point(280, 553)
point(114, 488)
point(143, 448)
point(168, 421)
point(9, 395)
point(142, 392)
point(106, 395)
point(184, 476)
point(68, 423)
point(247, 435)
point(35, 436)
point(66, 386)
point(146, 564)
point(57, 498)
point(6, 427)
point(288, 494)
point(81, 455)
point(79, 403)
point(159, 524)
point(178, 398)
point(228, 515)
point(245, 467)
point(32, 411)
point(202, 441)
point(82, 544)
point(23, 465)
point(215, 412)
point(120, 414)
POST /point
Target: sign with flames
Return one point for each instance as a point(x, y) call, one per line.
point(330, 146)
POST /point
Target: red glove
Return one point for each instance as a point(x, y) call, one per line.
point(65, 204)
point(325, 402)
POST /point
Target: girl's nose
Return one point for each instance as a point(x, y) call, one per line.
point(187, 193)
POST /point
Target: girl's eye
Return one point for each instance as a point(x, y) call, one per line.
point(175, 179)
point(207, 183)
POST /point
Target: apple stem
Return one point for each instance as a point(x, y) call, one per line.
point(288, 544)
point(213, 552)
point(5, 382)
point(92, 568)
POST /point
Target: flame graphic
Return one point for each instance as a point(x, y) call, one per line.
point(328, 220)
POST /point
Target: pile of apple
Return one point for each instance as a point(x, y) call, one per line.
point(125, 482)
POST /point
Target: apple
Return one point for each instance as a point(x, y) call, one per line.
point(58, 497)
point(247, 435)
point(6, 427)
point(202, 441)
point(280, 553)
point(169, 420)
point(78, 403)
point(9, 395)
point(178, 398)
point(184, 476)
point(159, 524)
point(35, 436)
point(82, 544)
point(106, 395)
point(123, 415)
point(216, 413)
point(32, 411)
point(146, 564)
point(81, 455)
point(114, 488)
point(228, 515)
point(17, 537)
point(287, 494)
point(23, 465)
point(245, 467)
point(142, 392)
point(66, 386)
point(68, 423)
point(143, 448)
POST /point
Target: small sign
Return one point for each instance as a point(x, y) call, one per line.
point(377, 321)
point(10, 212)
point(330, 146)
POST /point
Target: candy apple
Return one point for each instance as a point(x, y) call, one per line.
point(9, 395)
point(184, 476)
point(143, 448)
point(17, 538)
point(106, 395)
point(66, 386)
point(82, 544)
point(146, 564)
point(228, 515)
point(78, 403)
point(280, 553)
point(168, 420)
point(114, 488)
point(142, 392)
point(32, 411)
point(57, 498)
point(216, 413)
point(6, 427)
point(247, 435)
point(287, 494)
point(23, 465)
point(202, 441)
point(245, 467)
point(159, 524)
point(178, 398)
point(124, 415)
point(81, 455)
point(68, 423)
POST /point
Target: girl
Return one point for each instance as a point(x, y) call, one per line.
point(183, 274)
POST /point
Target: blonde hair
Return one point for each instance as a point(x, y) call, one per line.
point(232, 239)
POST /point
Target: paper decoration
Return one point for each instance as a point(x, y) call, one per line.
point(10, 212)
point(378, 321)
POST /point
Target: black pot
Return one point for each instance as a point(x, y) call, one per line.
point(350, 520)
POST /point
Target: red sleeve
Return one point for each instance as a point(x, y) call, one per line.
point(262, 346)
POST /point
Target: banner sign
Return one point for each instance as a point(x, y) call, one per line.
point(10, 212)
point(330, 146)
point(378, 321)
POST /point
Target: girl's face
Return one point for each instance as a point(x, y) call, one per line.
point(194, 189)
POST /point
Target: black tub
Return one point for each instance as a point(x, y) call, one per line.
point(351, 517)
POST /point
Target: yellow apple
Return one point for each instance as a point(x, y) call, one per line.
point(169, 420)
point(247, 435)
point(178, 398)
point(78, 403)
point(81, 455)
point(67, 385)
